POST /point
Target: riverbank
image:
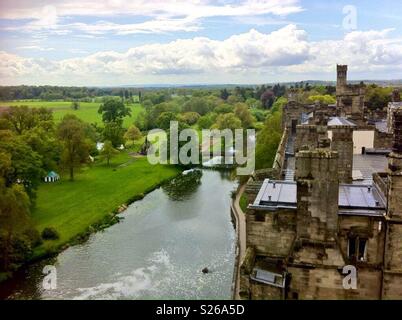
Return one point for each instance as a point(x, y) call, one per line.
point(157, 252)
point(90, 203)
point(239, 217)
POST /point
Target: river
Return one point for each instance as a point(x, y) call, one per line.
point(156, 252)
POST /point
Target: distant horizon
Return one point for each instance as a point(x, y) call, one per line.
point(182, 85)
point(112, 43)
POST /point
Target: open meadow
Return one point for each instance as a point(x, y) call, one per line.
point(88, 111)
point(71, 206)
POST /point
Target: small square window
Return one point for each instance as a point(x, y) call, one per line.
point(260, 217)
point(357, 248)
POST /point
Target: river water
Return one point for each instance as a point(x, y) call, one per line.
point(156, 252)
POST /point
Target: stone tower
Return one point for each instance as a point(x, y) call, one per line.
point(342, 142)
point(317, 194)
point(392, 285)
point(396, 96)
point(341, 79)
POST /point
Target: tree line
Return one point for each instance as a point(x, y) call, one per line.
point(31, 145)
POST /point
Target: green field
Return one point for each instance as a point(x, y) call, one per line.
point(71, 207)
point(88, 111)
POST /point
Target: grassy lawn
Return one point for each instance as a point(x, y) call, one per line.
point(243, 203)
point(88, 111)
point(71, 207)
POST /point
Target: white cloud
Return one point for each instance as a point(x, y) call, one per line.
point(38, 48)
point(247, 57)
point(163, 15)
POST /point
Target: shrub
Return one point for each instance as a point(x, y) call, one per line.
point(50, 234)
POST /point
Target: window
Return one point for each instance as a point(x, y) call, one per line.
point(362, 250)
point(260, 217)
point(357, 248)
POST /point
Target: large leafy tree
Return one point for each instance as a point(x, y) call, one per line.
point(22, 118)
point(108, 152)
point(26, 164)
point(378, 97)
point(243, 113)
point(114, 133)
point(268, 141)
point(267, 99)
point(133, 134)
point(227, 121)
point(113, 110)
point(15, 222)
point(163, 121)
point(75, 145)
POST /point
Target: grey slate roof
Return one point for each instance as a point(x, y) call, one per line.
point(353, 199)
point(340, 121)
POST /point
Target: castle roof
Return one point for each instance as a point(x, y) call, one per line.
point(354, 199)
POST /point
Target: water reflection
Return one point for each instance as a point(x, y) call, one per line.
point(156, 252)
point(183, 186)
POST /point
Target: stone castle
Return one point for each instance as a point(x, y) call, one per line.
point(326, 221)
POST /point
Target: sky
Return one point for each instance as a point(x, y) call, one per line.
point(176, 42)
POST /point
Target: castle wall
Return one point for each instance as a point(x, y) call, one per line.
point(383, 140)
point(271, 233)
point(306, 135)
point(342, 142)
point(317, 194)
point(327, 284)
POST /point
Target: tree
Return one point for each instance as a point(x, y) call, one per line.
point(75, 146)
point(326, 99)
point(227, 121)
point(378, 97)
point(244, 114)
point(163, 121)
point(253, 103)
point(26, 164)
point(133, 134)
point(21, 118)
point(114, 133)
point(113, 110)
point(224, 108)
point(268, 141)
point(108, 152)
point(206, 122)
point(189, 117)
point(267, 99)
point(141, 121)
point(14, 219)
point(224, 94)
point(197, 104)
point(75, 105)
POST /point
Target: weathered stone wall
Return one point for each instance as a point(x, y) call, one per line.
point(261, 291)
point(393, 257)
point(372, 229)
point(327, 283)
point(342, 142)
point(280, 153)
point(306, 135)
point(291, 115)
point(271, 233)
point(392, 285)
point(317, 194)
point(383, 140)
point(350, 98)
